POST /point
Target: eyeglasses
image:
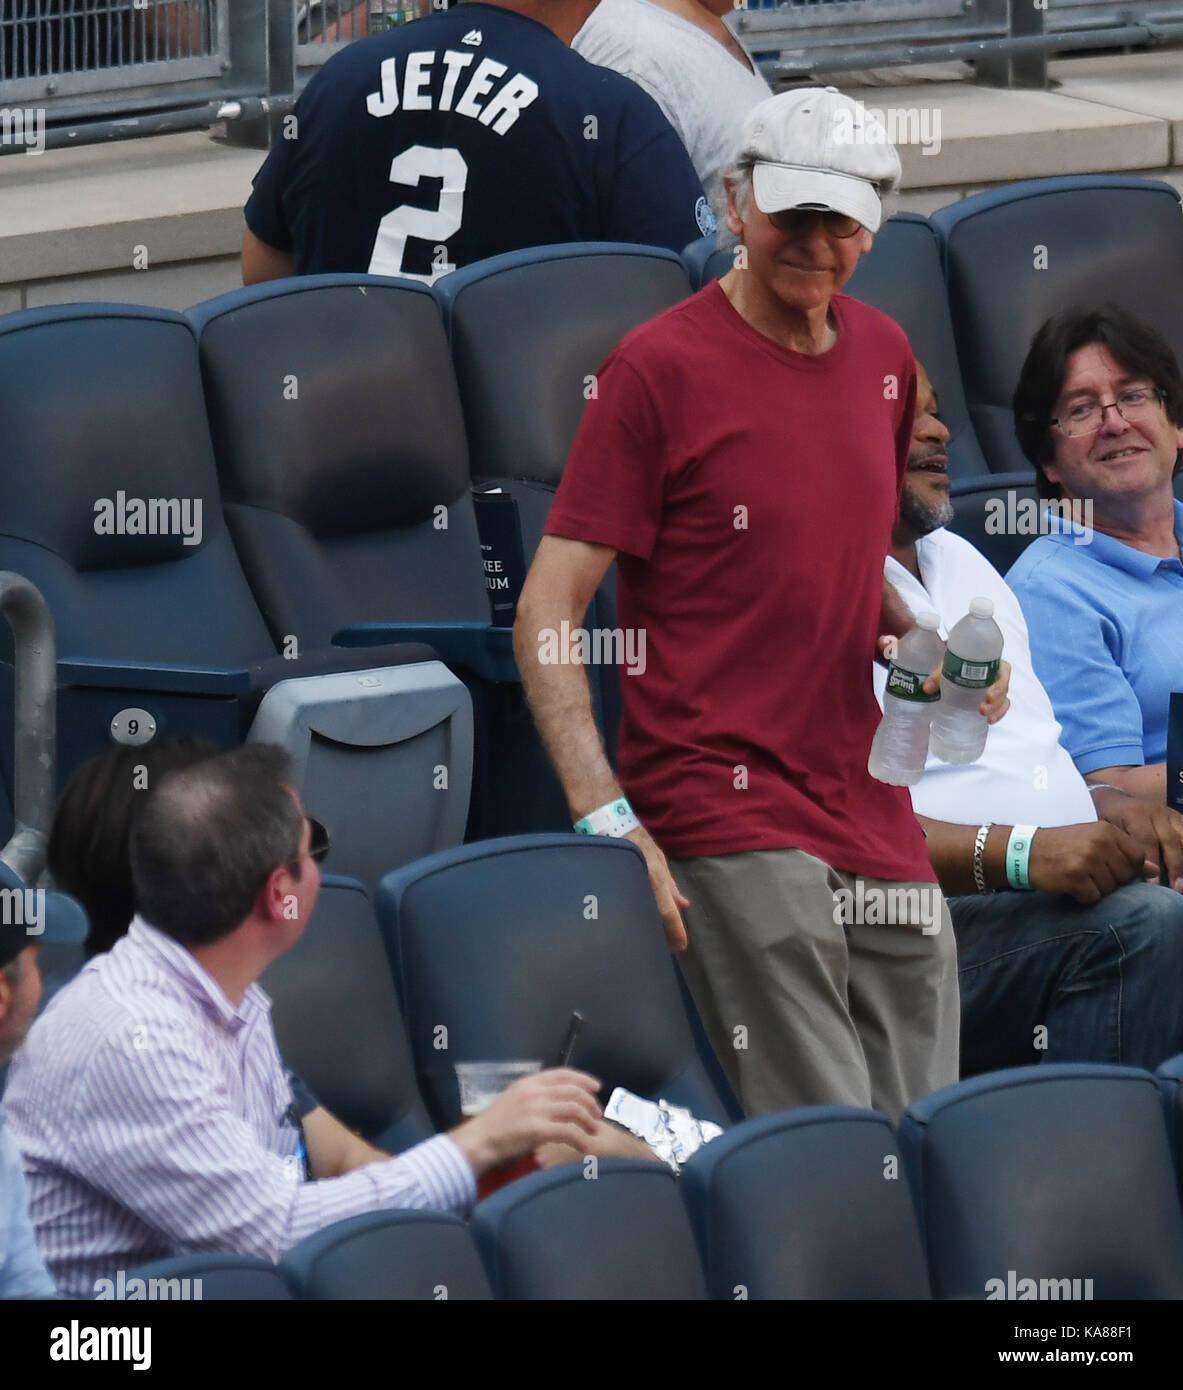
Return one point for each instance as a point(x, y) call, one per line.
point(836, 224)
point(1086, 417)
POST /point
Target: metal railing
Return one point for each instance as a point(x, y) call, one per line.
point(53, 50)
point(96, 70)
point(35, 732)
point(1007, 40)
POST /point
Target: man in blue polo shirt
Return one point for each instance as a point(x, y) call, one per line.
point(463, 135)
point(1099, 412)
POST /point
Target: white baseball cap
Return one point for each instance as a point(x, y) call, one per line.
point(816, 148)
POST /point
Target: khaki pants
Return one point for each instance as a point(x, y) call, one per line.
point(817, 989)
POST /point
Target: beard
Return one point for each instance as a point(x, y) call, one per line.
point(923, 517)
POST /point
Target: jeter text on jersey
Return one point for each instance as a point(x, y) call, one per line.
point(430, 86)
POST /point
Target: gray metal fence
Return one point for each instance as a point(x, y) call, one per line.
point(63, 49)
point(1007, 39)
point(106, 69)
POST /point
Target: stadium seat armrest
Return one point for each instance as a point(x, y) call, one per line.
point(483, 648)
point(161, 679)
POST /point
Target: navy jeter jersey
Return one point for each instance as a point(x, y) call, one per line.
point(460, 136)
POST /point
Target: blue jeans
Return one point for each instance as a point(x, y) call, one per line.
point(1044, 978)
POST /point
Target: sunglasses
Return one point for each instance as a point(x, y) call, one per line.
point(320, 842)
point(836, 224)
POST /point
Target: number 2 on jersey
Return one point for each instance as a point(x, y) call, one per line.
point(428, 224)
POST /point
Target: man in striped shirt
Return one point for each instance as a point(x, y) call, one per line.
point(150, 1102)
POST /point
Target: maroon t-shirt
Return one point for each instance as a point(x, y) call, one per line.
point(751, 493)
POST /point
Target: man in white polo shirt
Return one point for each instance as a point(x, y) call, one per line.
point(1085, 964)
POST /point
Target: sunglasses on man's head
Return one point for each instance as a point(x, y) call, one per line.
point(793, 220)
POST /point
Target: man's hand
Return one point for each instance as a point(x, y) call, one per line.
point(1158, 830)
point(609, 1141)
point(670, 898)
point(552, 1107)
point(996, 701)
point(1084, 861)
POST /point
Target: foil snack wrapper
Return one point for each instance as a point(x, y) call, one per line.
point(671, 1131)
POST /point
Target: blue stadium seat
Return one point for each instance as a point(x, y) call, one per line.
point(98, 400)
point(384, 758)
point(705, 260)
point(1170, 1077)
point(346, 493)
point(1061, 1172)
point(562, 1234)
point(983, 513)
point(497, 943)
point(808, 1204)
point(103, 409)
point(341, 451)
point(1096, 237)
point(524, 391)
point(338, 1022)
point(237, 1278)
point(901, 275)
point(62, 959)
point(389, 1255)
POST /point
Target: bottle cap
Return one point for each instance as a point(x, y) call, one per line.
point(982, 607)
point(929, 621)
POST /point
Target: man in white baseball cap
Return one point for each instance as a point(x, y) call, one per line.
point(822, 175)
point(743, 456)
point(820, 149)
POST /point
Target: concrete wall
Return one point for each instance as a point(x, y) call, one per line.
point(159, 221)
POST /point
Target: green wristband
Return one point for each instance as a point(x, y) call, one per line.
point(1018, 856)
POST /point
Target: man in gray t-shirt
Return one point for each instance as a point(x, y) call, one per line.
point(685, 57)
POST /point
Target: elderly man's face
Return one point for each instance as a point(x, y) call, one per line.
point(1124, 458)
point(805, 267)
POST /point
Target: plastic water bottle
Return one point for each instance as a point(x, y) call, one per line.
point(971, 664)
point(900, 748)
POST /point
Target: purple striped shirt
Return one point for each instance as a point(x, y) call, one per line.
point(153, 1118)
